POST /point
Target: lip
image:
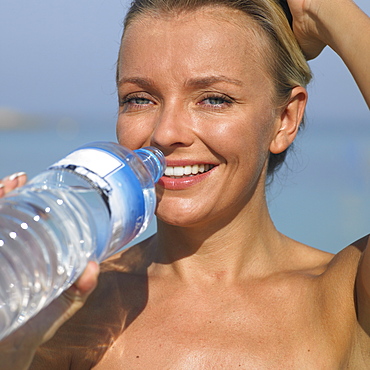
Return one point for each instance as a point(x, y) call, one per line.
point(183, 183)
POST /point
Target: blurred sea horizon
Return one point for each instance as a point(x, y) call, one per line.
point(321, 197)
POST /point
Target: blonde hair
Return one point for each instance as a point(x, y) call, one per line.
point(287, 64)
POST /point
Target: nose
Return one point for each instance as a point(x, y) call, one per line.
point(173, 127)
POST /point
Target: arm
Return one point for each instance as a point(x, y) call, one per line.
point(363, 285)
point(346, 29)
point(341, 25)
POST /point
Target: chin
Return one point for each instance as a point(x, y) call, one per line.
point(180, 216)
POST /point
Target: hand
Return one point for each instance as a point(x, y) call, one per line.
point(11, 182)
point(17, 350)
point(343, 26)
point(306, 25)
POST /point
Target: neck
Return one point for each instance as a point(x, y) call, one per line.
point(245, 244)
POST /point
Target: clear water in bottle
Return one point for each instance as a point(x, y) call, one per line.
point(67, 216)
point(45, 243)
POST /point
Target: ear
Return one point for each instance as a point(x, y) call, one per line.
point(288, 121)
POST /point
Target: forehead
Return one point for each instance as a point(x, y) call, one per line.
point(212, 37)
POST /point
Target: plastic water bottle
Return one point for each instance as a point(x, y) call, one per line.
point(85, 207)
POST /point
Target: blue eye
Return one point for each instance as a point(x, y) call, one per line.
point(139, 101)
point(135, 100)
point(216, 101)
point(132, 103)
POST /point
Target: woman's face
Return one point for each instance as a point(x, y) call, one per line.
point(196, 86)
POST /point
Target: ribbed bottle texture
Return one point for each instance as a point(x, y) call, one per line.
point(85, 207)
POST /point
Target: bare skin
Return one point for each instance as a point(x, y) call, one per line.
point(11, 182)
point(320, 23)
point(295, 317)
point(218, 286)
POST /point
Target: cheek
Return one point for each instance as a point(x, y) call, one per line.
point(132, 134)
point(241, 135)
point(245, 146)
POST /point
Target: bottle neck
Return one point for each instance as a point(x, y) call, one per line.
point(154, 161)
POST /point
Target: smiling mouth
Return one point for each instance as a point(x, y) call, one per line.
point(179, 172)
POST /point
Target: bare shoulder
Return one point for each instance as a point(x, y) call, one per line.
point(344, 265)
point(324, 284)
point(318, 279)
point(330, 280)
point(317, 262)
point(120, 296)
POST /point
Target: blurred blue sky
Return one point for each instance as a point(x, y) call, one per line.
point(58, 56)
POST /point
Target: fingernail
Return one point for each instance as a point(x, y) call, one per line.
point(15, 175)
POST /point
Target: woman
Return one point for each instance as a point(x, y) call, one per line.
point(219, 87)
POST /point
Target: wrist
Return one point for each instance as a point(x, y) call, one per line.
point(16, 355)
point(334, 20)
point(17, 350)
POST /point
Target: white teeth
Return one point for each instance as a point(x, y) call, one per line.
point(179, 171)
point(187, 170)
point(168, 171)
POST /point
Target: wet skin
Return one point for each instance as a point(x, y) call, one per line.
point(218, 286)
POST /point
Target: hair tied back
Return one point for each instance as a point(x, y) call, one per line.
point(288, 14)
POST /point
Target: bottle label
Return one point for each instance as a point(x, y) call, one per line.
point(119, 186)
point(93, 164)
point(98, 161)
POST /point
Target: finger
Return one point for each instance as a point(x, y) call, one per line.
point(86, 283)
point(11, 182)
point(22, 179)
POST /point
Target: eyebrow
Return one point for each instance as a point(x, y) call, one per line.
point(144, 82)
point(210, 80)
point(193, 82)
